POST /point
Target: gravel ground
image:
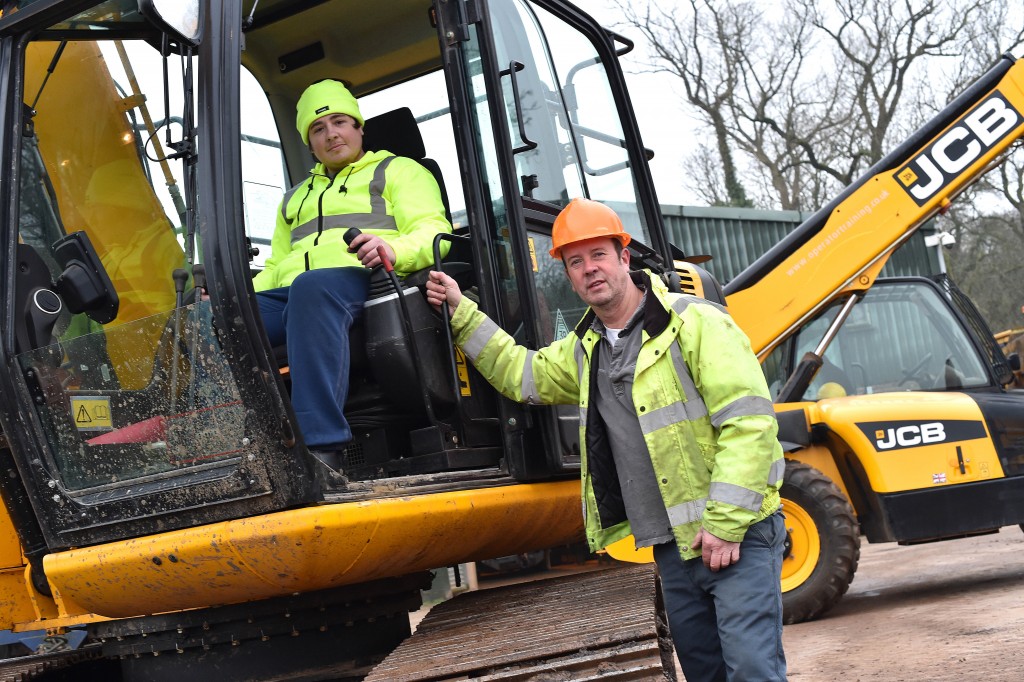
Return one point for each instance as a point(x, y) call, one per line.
point(942, 611)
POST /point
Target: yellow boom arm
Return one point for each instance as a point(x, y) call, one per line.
point(843, 246)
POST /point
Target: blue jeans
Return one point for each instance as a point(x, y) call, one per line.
point(313, 316)
point(728, 625)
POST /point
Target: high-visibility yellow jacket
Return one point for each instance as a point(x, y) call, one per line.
point(383, 194)
point(700, 396)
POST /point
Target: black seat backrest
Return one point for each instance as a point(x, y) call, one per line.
point(397, 132)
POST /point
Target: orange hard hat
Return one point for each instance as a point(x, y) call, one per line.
point(585, 219)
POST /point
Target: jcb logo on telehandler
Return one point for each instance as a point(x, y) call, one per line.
point(962, 144)
point(909, 436)
point(890, 435)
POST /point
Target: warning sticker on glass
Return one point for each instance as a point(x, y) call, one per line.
point(91, 413)
point(561, 328)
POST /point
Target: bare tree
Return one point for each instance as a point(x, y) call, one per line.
point(703, 162)
point(709, 76)
point(986, 264)
point(800, 105)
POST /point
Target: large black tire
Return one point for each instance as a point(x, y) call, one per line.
point(822, 543)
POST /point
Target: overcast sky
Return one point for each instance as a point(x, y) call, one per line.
point(658, 101)
point(658, 105)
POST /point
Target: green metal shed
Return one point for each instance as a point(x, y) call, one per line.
point(736, 237)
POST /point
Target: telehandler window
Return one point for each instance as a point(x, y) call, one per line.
point(903, 336)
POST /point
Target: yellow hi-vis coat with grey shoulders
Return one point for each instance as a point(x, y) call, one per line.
point(701, 399)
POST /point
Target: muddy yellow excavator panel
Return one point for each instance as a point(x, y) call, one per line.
point(312, 549)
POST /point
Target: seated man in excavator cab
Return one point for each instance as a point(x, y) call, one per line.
point(315, 284)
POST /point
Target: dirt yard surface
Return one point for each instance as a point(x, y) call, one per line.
point(943, 611)
point(938, 612)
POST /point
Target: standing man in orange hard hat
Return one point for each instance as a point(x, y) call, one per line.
point(677, 438)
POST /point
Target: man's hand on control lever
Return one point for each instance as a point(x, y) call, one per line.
point(365, 247)
point(441, 288)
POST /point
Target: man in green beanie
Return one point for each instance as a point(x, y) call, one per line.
point(314, 285)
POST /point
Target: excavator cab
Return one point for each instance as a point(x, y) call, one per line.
point(163, 135)
point(157, 486)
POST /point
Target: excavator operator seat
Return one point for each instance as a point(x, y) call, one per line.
point(397, 132)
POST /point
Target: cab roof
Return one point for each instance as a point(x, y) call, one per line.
point(368, 46)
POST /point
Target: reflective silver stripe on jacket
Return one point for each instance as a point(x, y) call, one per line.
point(662, 417)
point(681, 304)
point(377, 218)
point(744, 497)
point(579, 354)
point(377, 203)
point(747, 406)
point(346, 220)
point(736, 495)
point(687, 512)
point(288, 197)
point(529, 387)
point(694, 405)
point(474, 345)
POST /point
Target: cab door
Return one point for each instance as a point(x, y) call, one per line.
point(548, 120)
point(127, 406)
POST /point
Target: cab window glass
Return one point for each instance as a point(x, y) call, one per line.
point(144, 391)
point(264, 176)
point(427, 97)
point(263, 170)
point(564, 123)
point(112, 178)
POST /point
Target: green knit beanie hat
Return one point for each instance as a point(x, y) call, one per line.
point(320, 99)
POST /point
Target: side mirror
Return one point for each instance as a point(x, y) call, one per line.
point(179, 17)
point(84, 285)
point(37, 306)
point(1009, 374)
point(1014, 361)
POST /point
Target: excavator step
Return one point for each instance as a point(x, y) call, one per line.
point(603, 625)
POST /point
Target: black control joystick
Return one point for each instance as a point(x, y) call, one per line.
point(350, 234)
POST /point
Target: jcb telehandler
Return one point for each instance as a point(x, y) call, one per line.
point(896, 404)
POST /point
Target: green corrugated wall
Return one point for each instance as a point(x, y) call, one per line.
point(736, 237)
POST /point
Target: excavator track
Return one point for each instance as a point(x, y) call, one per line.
point(25, 668)
point(603, 625)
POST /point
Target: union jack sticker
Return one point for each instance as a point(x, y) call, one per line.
point(938, 478)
